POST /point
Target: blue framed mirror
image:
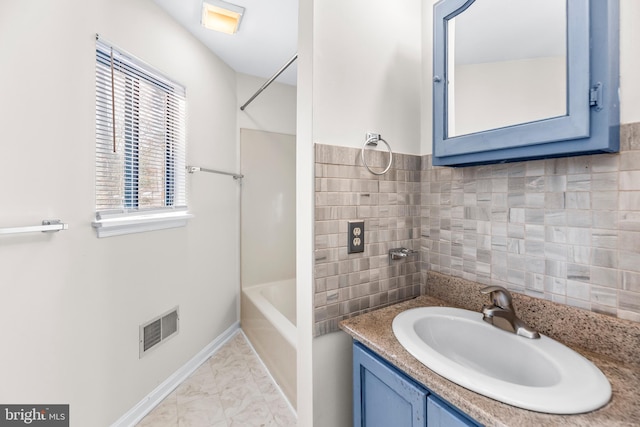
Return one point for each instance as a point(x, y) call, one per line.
point(524, 79)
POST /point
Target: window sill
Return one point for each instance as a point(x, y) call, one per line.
point(117, 224)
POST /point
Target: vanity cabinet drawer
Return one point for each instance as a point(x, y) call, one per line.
point(385, 397)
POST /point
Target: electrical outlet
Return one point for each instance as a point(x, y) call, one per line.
point(355, 237)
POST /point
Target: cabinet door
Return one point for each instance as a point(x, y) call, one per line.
point(439, 414)
point(383, 397)
point(467, 130)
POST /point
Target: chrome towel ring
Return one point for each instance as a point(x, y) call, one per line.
point(372, 139)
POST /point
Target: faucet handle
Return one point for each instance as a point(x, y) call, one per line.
point(500, 297)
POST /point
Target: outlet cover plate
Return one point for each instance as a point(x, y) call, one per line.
point(355, 237)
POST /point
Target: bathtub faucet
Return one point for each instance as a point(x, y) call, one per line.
point(400, 253)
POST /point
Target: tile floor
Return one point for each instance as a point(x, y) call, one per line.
point(230, 389)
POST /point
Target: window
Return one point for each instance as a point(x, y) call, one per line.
point(140, 146)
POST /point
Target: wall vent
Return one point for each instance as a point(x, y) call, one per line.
point(158, 330)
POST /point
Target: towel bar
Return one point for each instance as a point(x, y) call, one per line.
point(48, 225)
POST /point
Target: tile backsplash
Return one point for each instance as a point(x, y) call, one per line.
point(566, 229)
point(389, 205)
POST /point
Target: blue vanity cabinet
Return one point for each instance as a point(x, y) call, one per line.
point(385, 397)
point(382, 396)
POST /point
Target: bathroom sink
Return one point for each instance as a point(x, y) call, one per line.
point(537, 374)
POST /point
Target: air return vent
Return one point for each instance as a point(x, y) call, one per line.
point(158, 330)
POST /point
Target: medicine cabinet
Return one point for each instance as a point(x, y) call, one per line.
point(524, 79)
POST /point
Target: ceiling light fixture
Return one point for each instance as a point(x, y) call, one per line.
point(221, 16)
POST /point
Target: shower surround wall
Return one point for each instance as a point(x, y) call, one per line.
point(566, 229)
point(351, 284)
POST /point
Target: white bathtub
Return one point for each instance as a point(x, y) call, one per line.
point(268, 318)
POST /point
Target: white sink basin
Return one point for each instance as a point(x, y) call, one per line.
point(537, 374)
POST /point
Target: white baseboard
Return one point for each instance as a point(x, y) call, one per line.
point(146, 405)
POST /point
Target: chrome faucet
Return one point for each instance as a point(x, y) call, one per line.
point(501, 308)
point(399, 253)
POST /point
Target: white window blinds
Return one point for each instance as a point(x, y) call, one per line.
point(140, 138)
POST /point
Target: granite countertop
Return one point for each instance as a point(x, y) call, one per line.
point(374, 330)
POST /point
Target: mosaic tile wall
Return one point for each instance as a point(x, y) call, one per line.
point(351, 284)
point(566, 229)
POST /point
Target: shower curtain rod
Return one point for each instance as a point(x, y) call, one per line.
point(268, 82)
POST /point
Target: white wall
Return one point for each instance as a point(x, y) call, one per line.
point(305, 200)
point(426, 74)
point(274, 110)
point(71, 303)
point(366, 73)
point(333, 380)
point(629, 61)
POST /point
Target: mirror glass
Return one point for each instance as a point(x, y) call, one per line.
point(506, 64)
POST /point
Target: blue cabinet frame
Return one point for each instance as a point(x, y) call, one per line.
point(385, 397)
point(439, 414)
point(592, 123)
